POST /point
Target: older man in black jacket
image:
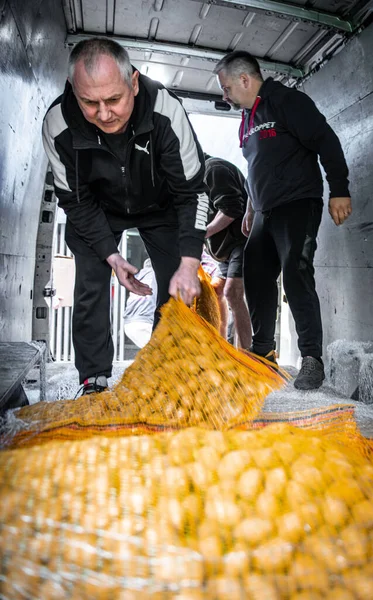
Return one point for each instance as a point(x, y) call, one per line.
point(282, 136)
point(123, 154)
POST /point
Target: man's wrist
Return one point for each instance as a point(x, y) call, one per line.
point(190, 262)
point(112, 259)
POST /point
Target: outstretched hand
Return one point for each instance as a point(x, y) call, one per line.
point(185, 282)
point(340, 209)
point(247, 221)
point(125, 273)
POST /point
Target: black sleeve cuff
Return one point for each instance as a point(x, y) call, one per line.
point(105, 247)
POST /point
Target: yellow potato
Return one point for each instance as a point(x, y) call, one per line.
point(335, 511)
point(276, 481)
point(264, 458)
point(309, 574)
point(267, 506)
point(254, 530)
point(250, 483)
point(212, 551)
point(355, 544)
point(290, 527)
point(273, 556)
point(326, 552)
point(208, 456)
point(258, 587)
point(224, 588)
point(236, 562)
point(223, 510)
point(363, 513)
point(310, 515)
point(233, 463)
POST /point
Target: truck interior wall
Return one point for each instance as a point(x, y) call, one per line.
point(343, 91)
point(32, 71)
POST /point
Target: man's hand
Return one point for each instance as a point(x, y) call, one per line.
point(247, 220)
point(340, 209)
point(185, 281)
point(125, 273)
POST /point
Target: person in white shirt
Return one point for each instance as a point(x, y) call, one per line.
point(139, 313)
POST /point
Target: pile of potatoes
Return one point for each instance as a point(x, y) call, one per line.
point(278, 514)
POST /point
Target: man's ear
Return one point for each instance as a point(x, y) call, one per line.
point(245, 80)
point(135, 82)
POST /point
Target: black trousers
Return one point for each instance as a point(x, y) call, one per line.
point(284, 238)
point(91, 325)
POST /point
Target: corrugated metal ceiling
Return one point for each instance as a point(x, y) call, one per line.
point(180, 41)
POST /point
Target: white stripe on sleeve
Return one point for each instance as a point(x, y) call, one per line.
point(170, 107)
point(53, 125)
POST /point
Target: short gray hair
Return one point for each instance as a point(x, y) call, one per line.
point(236, 63)
point(89, 52)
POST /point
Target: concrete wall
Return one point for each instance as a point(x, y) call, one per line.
point(32, 71)
point(343, 91)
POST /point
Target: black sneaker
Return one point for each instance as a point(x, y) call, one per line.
point(94, 385)
point(311, 374)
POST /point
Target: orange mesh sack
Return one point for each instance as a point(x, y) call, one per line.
point(278, 514)
point(207, 306)
point(186, 375)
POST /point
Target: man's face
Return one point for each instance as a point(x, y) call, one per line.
point(239, 92)
point(105, 99)
point(232, 90)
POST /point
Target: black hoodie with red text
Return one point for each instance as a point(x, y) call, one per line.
point(282, 137)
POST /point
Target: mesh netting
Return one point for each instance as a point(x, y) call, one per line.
point(187, 375)
point(207, 305)
point(196, 513)
point(173, 485)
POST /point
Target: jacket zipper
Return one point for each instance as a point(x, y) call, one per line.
point(123, 169)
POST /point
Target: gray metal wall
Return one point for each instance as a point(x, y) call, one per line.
point(32, 69)
point(343, 91)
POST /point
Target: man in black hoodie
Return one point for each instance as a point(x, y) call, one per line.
point(282, 135)
point(225, 241)
point(123, 154)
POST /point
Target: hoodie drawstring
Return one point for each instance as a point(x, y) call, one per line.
point(151, 158)
point(242, 127)
point(244, 138)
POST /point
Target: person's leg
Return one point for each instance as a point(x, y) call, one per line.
point(235, 295)
point(92, 340)
point(162, 245)
point(294, 227)
point(218, 284)
point(261, 269)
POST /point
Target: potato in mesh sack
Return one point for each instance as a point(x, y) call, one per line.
point(279, 514)
point(187, 375)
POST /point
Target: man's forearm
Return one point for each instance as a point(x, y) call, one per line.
point(219, 222)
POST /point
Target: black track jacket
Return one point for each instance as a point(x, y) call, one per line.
point(164, 165)
point(287, 135)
